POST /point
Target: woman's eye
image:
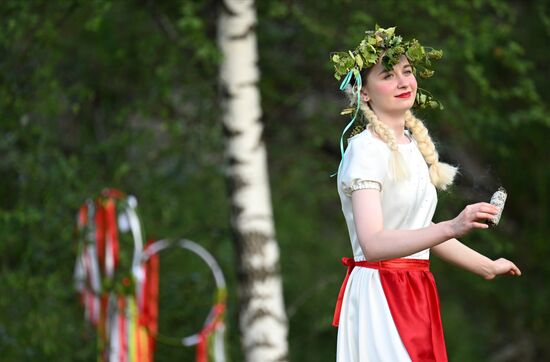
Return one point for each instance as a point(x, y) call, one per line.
point(388, 76)
point(408, 72)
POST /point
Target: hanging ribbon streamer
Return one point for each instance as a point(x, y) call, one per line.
point(207, 336)
point(147, 308)
point(121, 299)
point(108, 293)
point(352, 74)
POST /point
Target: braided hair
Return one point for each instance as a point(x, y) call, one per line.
point(441, 174)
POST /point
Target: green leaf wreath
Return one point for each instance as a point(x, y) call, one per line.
point(384, 43)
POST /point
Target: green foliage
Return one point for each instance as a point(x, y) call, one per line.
point(95, 94)
point(123, 94)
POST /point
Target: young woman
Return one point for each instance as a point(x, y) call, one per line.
point(388, 307)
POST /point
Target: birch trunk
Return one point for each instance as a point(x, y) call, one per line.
point(263, 322)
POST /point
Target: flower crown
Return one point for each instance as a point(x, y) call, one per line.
point(384, 43)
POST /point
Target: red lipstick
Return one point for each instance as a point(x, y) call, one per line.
point(404, 95)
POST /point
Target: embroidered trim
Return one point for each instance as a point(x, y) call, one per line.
point(361, 185)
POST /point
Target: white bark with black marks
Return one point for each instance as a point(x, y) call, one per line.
point(263, 321)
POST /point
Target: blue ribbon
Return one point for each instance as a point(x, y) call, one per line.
point(346, 80)
point(352, 73)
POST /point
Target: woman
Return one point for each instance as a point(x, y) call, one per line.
point(388, 308)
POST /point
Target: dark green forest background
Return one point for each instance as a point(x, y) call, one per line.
point(125, 94)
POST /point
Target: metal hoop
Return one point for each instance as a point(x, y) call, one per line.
point(219, 279)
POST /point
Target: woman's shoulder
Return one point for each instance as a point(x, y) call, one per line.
point(367, 138)
point(364, 150)
point(366, 142)
point(365, 159)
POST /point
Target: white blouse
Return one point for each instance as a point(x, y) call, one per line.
point(406, 205)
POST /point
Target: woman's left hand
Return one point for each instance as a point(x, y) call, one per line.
point(503, 267)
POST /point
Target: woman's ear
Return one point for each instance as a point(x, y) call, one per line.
point(364, 96)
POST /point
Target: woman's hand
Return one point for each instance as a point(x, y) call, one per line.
point(473, 217)
point(502, 267)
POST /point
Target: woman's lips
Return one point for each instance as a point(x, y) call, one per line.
point(404, 95)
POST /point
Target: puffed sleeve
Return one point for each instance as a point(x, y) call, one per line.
point(364, 165)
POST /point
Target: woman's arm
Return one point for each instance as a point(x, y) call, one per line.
point(454, 252)
point(380, 244)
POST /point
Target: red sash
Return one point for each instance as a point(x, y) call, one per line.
point(396, 264)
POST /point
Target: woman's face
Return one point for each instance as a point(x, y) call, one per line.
point(391, 91)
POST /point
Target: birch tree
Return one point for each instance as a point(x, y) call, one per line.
point(263, 322)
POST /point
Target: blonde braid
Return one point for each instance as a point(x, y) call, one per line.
point(398, 169)
point(441, 174)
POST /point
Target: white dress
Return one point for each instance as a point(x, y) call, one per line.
point(367, 331)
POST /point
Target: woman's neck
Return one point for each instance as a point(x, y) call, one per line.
point(396, 122)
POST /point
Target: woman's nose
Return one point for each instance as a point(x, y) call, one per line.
point(401, 80)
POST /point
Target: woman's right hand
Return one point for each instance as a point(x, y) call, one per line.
point(473, 216)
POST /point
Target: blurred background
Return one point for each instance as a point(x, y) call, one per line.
point(125, 94)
